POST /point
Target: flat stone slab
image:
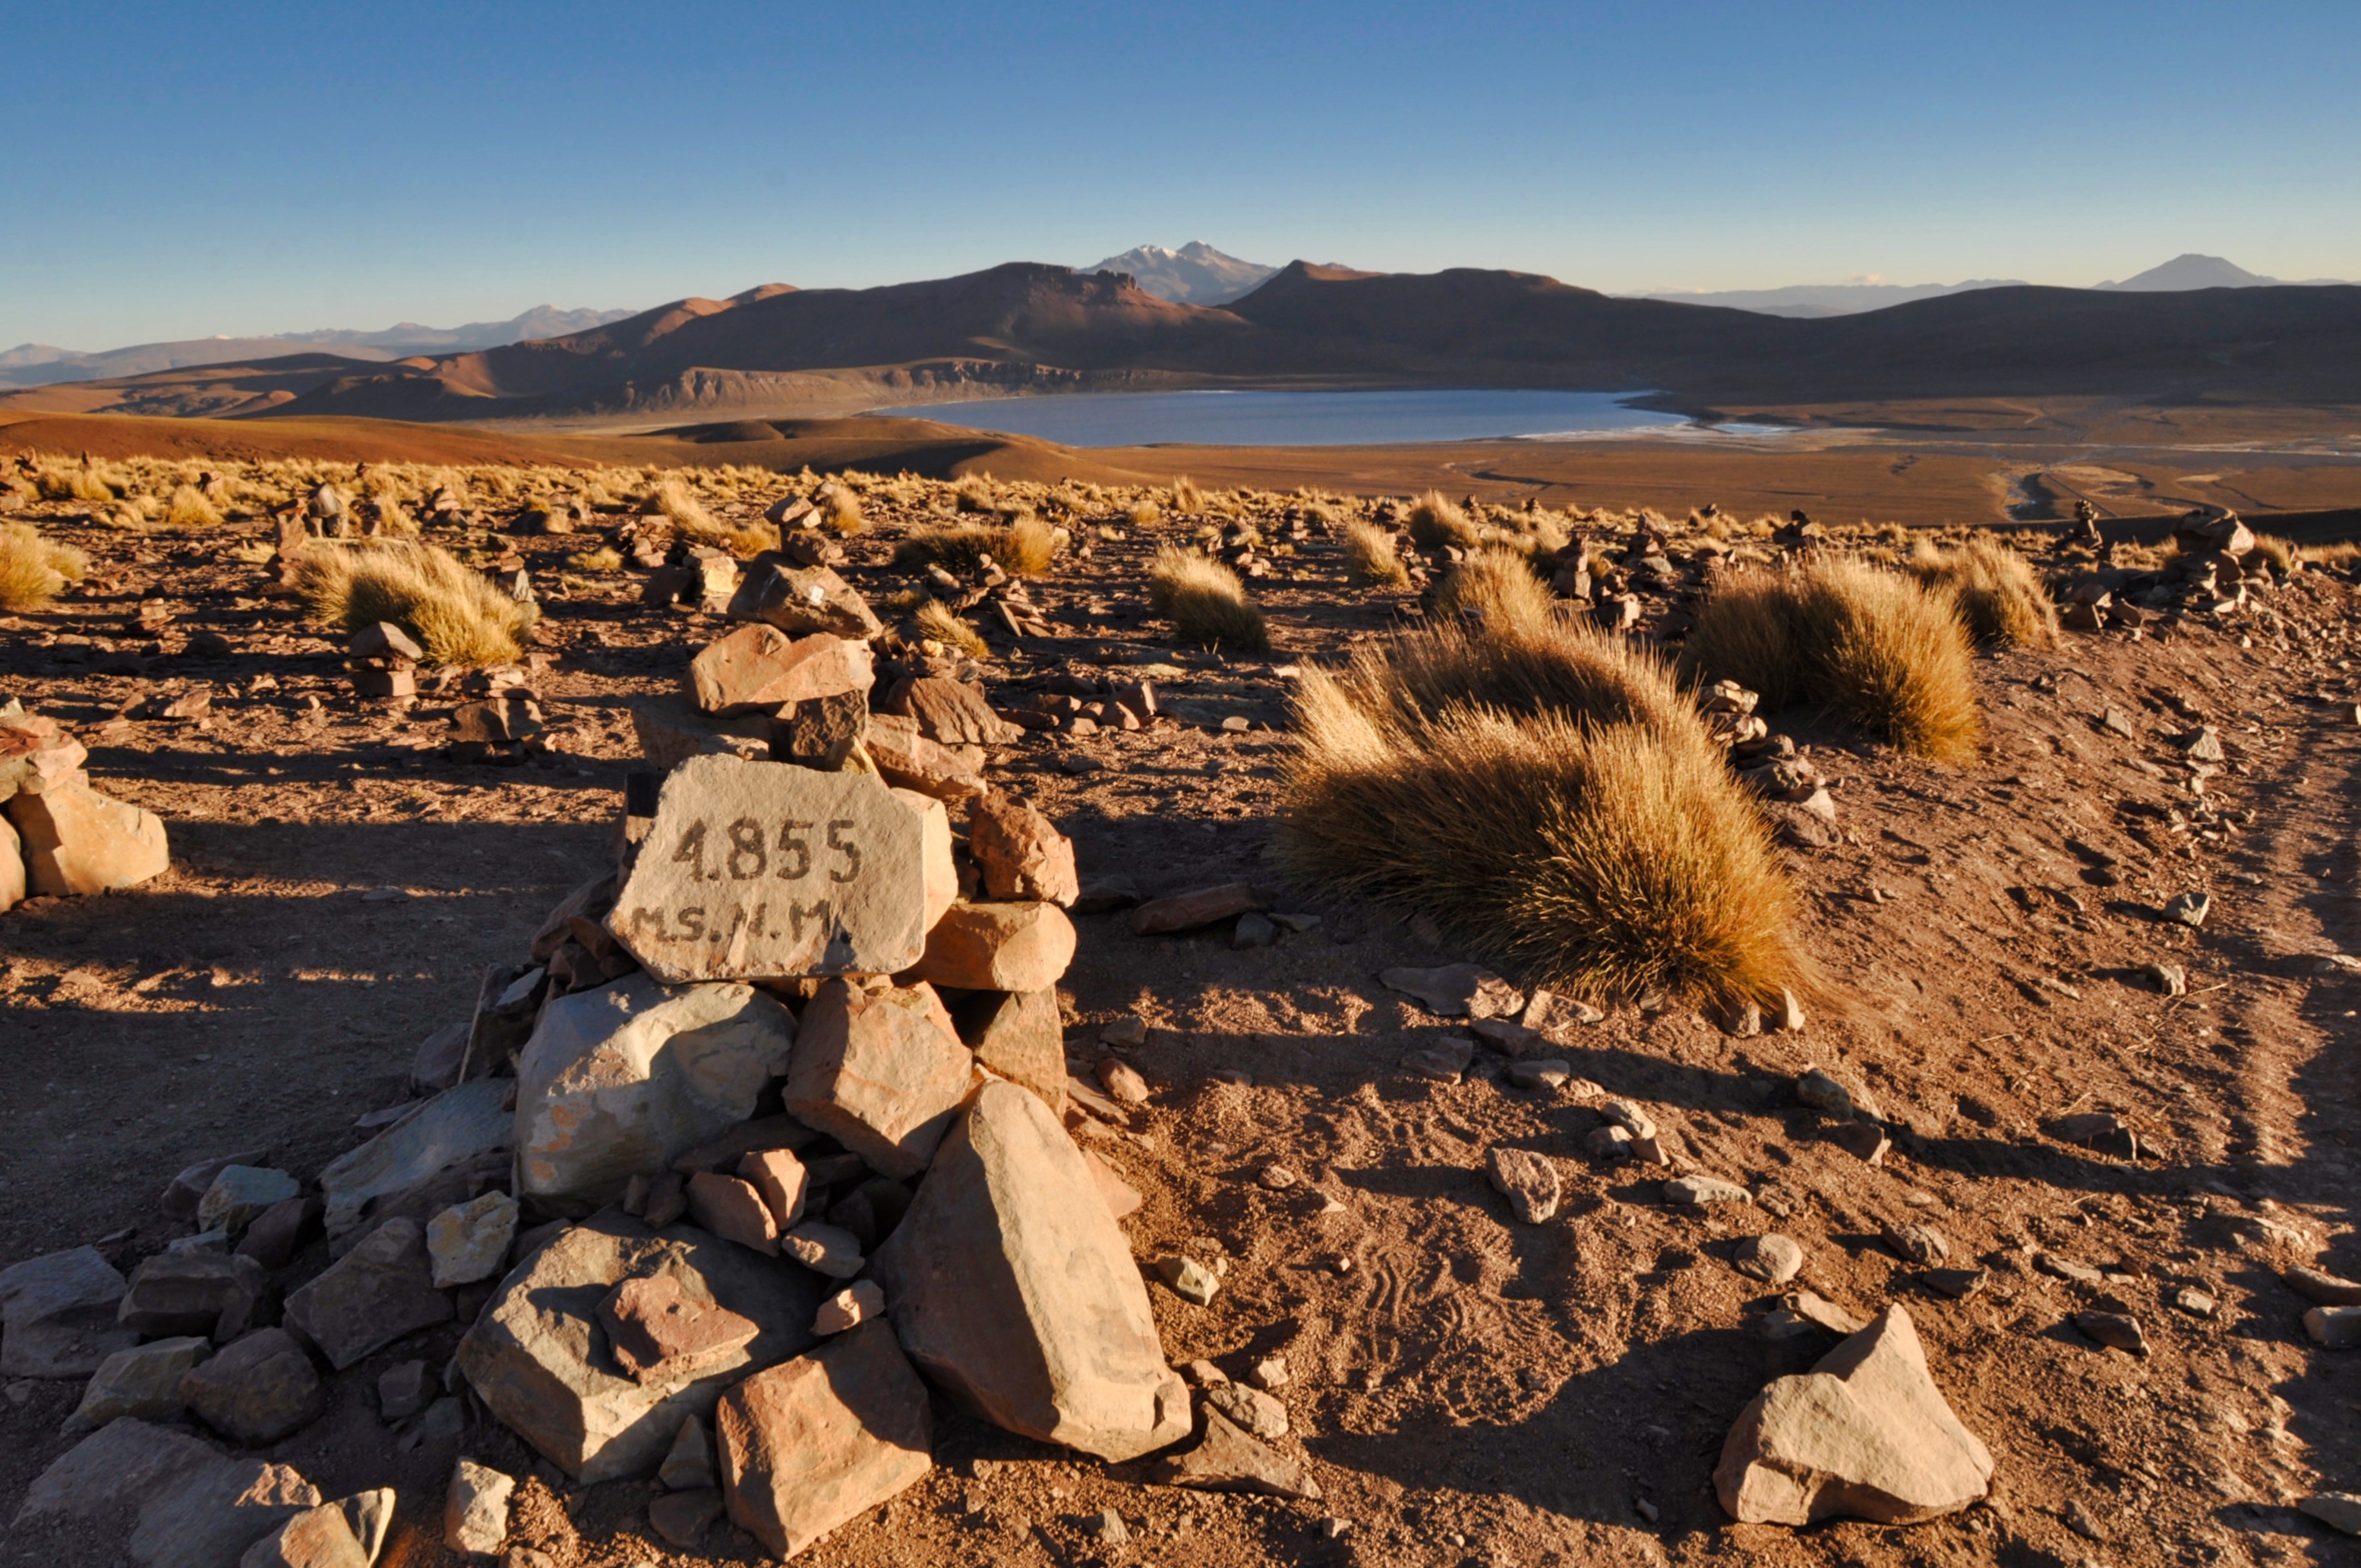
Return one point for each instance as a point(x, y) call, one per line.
point(160, 1497)
point(1457, 991)
point(541, 1361)
point(456, 1125)
point(58, 1315)
point(757, 870)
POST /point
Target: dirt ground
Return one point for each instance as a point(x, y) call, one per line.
point(1469, 1389)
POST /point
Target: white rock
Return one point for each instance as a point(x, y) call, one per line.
point(1865, 1434)
point(754, 870)
point(621, 1081)
point(469, 1241)
point(475, 1510)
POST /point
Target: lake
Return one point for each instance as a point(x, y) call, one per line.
point(1298, 419)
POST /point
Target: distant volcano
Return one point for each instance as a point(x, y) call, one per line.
point(1196, 274)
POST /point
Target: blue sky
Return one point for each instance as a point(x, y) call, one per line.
point(176, 170)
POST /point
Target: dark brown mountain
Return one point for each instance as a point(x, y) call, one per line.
point(1024, 327)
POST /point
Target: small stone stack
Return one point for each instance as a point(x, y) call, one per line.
point(1770, 764)
point(2217, 569)
point(384, 662)
point(57, 834)
point(503, 723)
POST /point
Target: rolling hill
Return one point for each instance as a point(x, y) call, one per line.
point(1025, 327)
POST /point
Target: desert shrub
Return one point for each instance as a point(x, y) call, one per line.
point(606, 558)
point(974, 493)
point(2000, 596)
point(1205, 602)
point(1571, 670)
point(1872, 647)
point(457, 615)
point(2281, 552)
point(1435, 520)
point(32, 569)
point(685, 506)
point(839, 509)
point(1608, 857)
point(1369, 556)
point(936, 620)
point(1142, 513)
point(1497, 583)
point(1186, 496)
point(188, 508)
point(1022, 549)
point(61, 482)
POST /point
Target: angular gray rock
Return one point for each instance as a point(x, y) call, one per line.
point(621, 1081)
point(476, 1508)
point(1864, 1434)
point(538, 1356)
point(258, 1390)
point(191, 1293)
point(240, 1193)
point(456, 1125)
point(372, 1296)
point(1230, 1461)
point(1526, 1179)
point(758, 869)
point(822, 1438)
point(881, 1072)
point(1011, 1286)
point(144, 1381)
point(316, 1538)
point(1457, 991)
point(161, 1499)
point(58, 1315)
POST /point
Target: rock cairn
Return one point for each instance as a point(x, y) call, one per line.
point(765, 1136)
point(2217, 567)
point(57, 834)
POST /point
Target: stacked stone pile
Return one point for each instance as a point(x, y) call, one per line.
point(2218, 567)
point(57, 834)
point(764, 1148)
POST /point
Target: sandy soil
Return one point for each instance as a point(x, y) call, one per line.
point(1470, 1389)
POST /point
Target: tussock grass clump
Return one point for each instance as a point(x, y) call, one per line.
point(1143, 513)
point(1999, 593)
point(2345, 552)
point(33, 569)
point(1435, 520)
point(1205, 602)
point(839, 510)
point(936, 620)
point(1563, 671)
point(1497, 583)
point(1023, 549)
point(2281, 552)
point(1186, 496)
point(606, 558)
point(1369, 557)
point(188, 508)
point(1872, 647)
point(1610, 857)
point(458, 615)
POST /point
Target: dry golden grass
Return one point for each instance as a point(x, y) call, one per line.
point(1999, 593)
point(1023, 549)
point(839, 510)
point(1610, 857)
point(1143, 513)
point(33, 569)
point(1567, 671)
point(2281, 552)
point(1435, 522)
point(1186, 496)
point(2345, 553)
point(936, 620)
point(188, 508)
point(1496, 584)
point(1205, 602)
point(1872, 647)
point(457, 615)
point(1369, 557)
point(606, 558)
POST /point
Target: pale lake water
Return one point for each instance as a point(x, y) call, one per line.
point(1300, 419)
